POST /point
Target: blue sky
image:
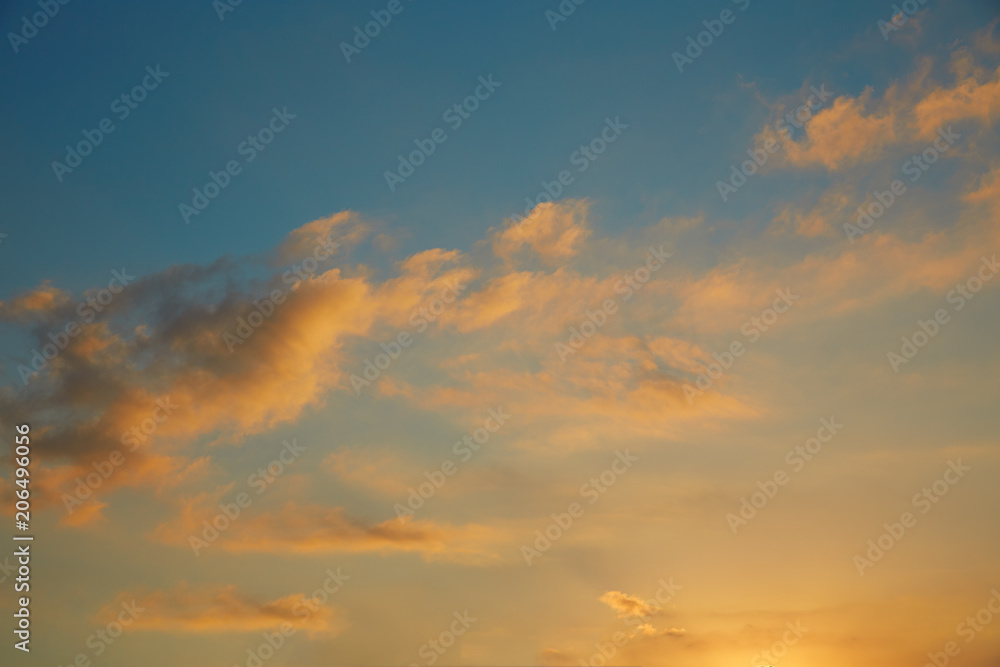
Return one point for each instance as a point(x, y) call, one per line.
point(643, 382)
point(353, 119)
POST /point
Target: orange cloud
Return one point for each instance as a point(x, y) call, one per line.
point(199, 346)
point(987, 190)
point(501, 296)
point(968, 99)
point(628, 605)
point(680, 354)
point(306, 529)
point(343, 228)
point(821, 219)
point(862, 129)
point(553, 230)
point(87, 514)
point(610, 390)
point(33, 303)
point(218, 609)
point(423, 277)
point(842, 135)
point(384, 472)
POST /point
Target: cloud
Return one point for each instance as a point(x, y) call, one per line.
point(557, 658)
point(221, 609)
point(842, 135)
point(33, 304)
point(821, 219)
point(87, 514)
point(628, 605)
point(165, 334)
point(188, 335)
point(862, 129)
point(986, 191)
point(381, 471)
point(842, 277)
point(969, 99)
point(423, 278)
point(680, 354)
point(554, 231)
point(312, 528)
point(610, 390)
point(498, 298)
point(344, 229)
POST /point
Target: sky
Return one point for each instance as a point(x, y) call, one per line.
point(522, 333)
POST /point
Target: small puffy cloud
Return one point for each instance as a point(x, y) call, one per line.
point(628, 605)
